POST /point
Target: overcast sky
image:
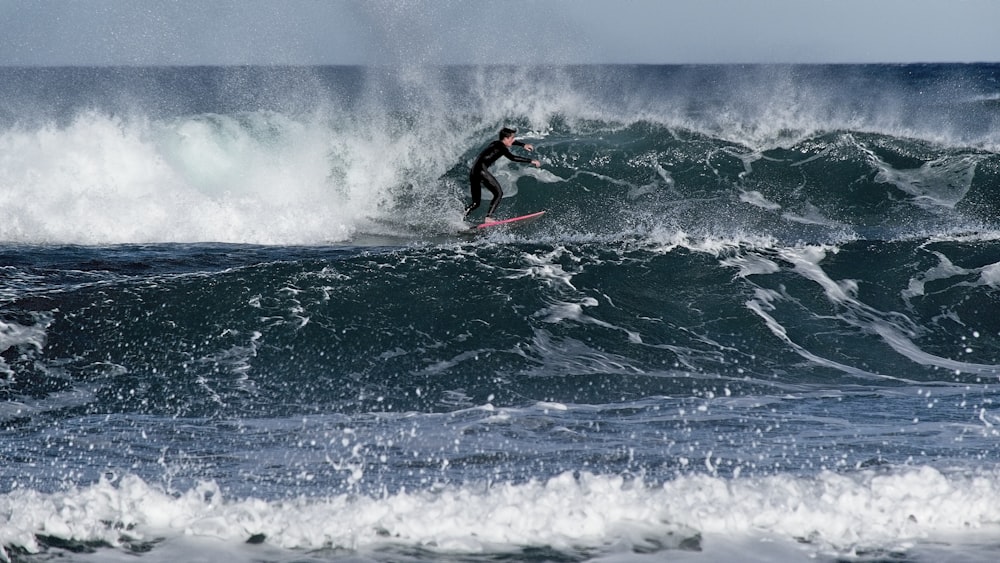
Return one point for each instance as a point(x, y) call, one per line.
point(183, 32)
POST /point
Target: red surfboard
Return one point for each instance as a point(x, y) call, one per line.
point(529, 217)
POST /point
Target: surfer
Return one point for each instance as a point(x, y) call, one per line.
point(480, 173)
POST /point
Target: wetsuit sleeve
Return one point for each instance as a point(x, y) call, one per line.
point(514, 157)
point(518, 143)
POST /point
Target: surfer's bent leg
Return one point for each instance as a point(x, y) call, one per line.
point(494, 187)
point(475, 186)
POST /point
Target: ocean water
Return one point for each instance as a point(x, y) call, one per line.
point(759, 320)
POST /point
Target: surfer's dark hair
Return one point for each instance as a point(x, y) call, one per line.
point(507, 132)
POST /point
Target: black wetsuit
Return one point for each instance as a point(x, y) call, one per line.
point(479, 174)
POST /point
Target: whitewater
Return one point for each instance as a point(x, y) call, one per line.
point(239, 321)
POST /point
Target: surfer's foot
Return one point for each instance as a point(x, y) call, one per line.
point(489, 219)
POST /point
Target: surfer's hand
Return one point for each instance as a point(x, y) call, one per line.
point(529, 148)
point(536, 163)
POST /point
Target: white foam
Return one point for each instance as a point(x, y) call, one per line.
point(826, 514)
point(13, 334)
point(990, 275)
point(757, 199)
point(749, 265)
point(546, 268)
point(942, 182)
point(663, 239)
point(257, 177)
point(813, 216)
point(895, 329)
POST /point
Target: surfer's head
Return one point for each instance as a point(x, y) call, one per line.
point(507, 133)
